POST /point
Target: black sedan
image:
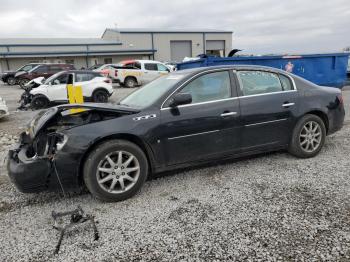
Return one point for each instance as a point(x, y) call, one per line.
point(183, 119)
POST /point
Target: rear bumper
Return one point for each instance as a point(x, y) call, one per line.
point(29, 175)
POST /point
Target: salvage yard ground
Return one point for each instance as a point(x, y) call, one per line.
point(269, 207)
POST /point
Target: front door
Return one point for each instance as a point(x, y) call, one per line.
point(57, 88)
point(207, 127)
point(268, 107)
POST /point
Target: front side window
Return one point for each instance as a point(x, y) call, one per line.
point(151, 67)
point(258, 82)
point(41, 69)
point(60, 80)
point(209, 87)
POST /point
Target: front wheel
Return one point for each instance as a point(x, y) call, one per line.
point(11, 81)
point(308, 137)
point(39, 102)
point(115, 170)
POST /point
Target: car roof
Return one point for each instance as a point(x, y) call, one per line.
point(81, 71)
point(232, 67)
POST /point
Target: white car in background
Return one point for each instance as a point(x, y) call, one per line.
point(4, 111)
point(95, 87)
point(131, 73)
point(107, 70)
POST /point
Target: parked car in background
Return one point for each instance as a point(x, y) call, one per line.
point(96, 88)
point(107, 70)
point(171, 66)
point(93, 67)
point(187, 118)
point(131, 73)
point(44, 70)
point(4, 111)
point(9, 76)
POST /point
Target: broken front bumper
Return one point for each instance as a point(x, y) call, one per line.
point(28, 174)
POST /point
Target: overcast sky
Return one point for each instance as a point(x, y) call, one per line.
point(259, 26)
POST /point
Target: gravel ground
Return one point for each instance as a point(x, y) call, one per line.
point(272, 207)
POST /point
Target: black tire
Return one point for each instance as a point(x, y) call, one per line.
point(23, 82)
point(39, 102)
point(11, 81)
point(99, 155)
point(100, 96)
point(130, 82)
point(301, 138)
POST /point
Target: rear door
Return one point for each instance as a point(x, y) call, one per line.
point(83, 79)
point(269, 103)
point(207, 127)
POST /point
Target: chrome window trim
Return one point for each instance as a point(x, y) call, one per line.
point(202, 103)
point(230, 98)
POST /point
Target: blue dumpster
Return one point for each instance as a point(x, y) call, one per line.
point(321, 69)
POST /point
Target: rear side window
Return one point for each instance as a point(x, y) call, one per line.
point(209, 87)
point(55, 69)
point(258, 82)
point(152, 67)
point(286, 83)
point(83, 77)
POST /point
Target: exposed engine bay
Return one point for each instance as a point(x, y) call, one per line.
point(49, 139)
point(32, 164)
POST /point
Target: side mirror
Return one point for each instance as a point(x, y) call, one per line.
point(180, 99)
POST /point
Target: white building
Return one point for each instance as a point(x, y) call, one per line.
point(114, 45)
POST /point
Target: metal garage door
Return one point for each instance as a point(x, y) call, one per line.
point(180, 49)
point(215, 44)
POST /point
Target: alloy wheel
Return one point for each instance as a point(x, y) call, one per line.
point(11, 81)
point(310, 136)
point(118, 172)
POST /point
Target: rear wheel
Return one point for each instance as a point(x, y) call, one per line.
point(100, 96)
point(130, 82)
point(115, 170)
point(39, 102)
point(11, 81)
point(308, 137)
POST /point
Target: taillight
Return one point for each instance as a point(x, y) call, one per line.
point(116, 73)
point(108, 81)
point(341, 100)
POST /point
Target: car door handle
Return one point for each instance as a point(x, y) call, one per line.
point(288, 104)
point(228, 114)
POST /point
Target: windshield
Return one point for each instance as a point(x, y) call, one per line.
point(151, 92)
point(47, 81)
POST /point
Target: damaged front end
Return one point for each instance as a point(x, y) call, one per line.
point(31, 165)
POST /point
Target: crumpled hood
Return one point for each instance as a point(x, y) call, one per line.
point(39, 121)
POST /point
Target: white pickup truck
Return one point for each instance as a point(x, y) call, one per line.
point(131, 73)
